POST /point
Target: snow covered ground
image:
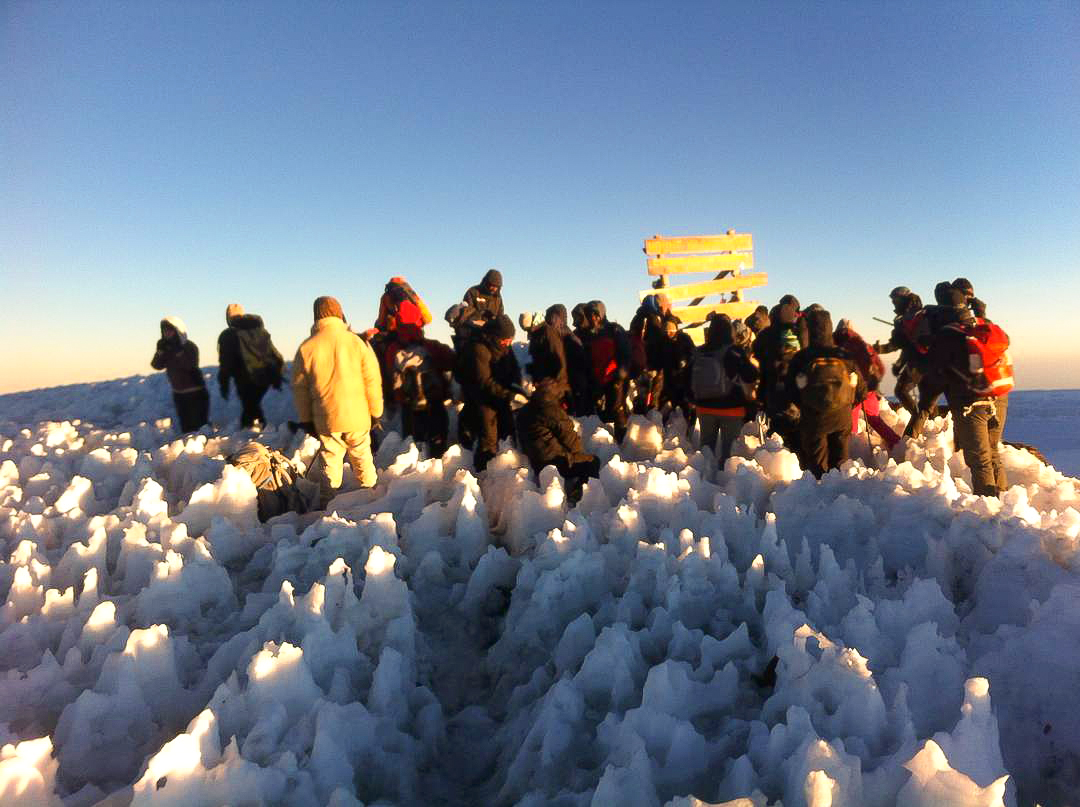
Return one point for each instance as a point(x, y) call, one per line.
point(881, 637)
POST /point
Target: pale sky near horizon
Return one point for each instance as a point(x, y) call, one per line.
point(170, 158)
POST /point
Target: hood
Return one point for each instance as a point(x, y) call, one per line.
point(178, 325)
point(943, 293)
point(500, 328)
point(720, 331)
point(232, 311)
point(600, 309)
point(493, 277)
point(785, 314)
point(819, 328)
point(651, 304)
point(577, 314)
point(556, 315)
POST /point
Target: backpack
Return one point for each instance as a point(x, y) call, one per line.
point(988, 357)
point(280, 488)
point(827, 384)
point(417, 382)
point(261, 359)
point(708, 378)
point(916, 328)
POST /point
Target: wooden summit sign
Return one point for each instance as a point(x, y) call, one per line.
point(728, 256)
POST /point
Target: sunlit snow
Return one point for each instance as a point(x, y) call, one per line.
point(683, 636)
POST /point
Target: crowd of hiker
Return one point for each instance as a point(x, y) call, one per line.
point(792, 370)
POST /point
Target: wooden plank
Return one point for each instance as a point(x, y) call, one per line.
point(690, 314)
point(701, 263)
point(658, 245)
point(690, 291)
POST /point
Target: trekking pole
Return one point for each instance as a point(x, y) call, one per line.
point(882, 321)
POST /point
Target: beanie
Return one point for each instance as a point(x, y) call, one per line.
point(493, 277)
point(233, 310)
point(328, 307)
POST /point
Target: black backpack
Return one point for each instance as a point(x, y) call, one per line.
point(261, 359)
point(826, 385)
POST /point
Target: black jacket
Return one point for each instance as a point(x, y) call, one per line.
point(949, 357)
point(179, 358)
point(247, 355)
point(487, 372)
point(545, 431)
point(482, 305)
point(824, 407)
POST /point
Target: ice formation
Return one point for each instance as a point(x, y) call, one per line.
point(683, 636)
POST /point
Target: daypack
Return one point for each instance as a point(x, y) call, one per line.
point(261, 359)
point(988, 357)
point(400, 305)
point(708, 378)
point(916, 328)
point(826, 385)
point(280, 488)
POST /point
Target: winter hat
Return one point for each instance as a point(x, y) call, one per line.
point(501, 327)
point(819, 328)
point(943, 293)
point(233, 310)
point(965, 286)
point(900, 291)
point(328, 307)
point(493, 277)
point(790, 299)
point(651, 304)
point(453, 313)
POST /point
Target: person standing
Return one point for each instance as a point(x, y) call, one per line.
point(722, 379)
point(971, 354)
point(825, 384)
point(873, 370)
point(247, 356)
point(609, 352)
point(337, 389)
point(490, 377)
point(178, 356)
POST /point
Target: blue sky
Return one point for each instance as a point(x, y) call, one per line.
point(170, 158)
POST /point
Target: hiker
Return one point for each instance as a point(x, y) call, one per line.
point(400, 305)
point(722, 380)
point(608, 349)
point(647, 335)
point(758, 320)
point(873, 370)
point(548, 437)
point(247, 356)
point(579, 400)
point(825, 384)
point(419, 370)
point(675, 355)
point(490, 377)
point(337, 389)
point(972, 356)
point(911, 336)
point(774, 348)
point(484, 300)
point(977, 306)
point(178, 356)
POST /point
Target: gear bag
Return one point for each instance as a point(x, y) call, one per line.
point(280, 488)
point(261, 359)
point(827, 384)
point(708, 378)
point(418, 383)
point(988, 357)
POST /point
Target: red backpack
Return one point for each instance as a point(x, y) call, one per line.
point(988, 356)
point(917, 330)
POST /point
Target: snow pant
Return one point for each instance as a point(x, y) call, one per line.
point(430, 425)
point(576, 474)
point(931, 387)
point(612, 408)
point(251, 396)
point(192, 409)
point(822, 450)
point(333, 449)
point(495, 423)
point(977, 429)
point(871, 408)
point(726, 427)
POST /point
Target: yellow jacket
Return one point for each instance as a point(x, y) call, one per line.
point(336, 380)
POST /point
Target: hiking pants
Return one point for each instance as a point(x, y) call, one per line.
point(328, 464)
point(726, 427)
point(576, 474)
point(822, 451)
point(496, 423)
point(977, 429)
point(430, 425)
point(192, 409)
point(251, 396)
point(613, 408)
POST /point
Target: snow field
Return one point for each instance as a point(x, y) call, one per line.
point(449, 640)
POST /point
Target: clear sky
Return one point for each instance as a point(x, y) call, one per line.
point(170, 158)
